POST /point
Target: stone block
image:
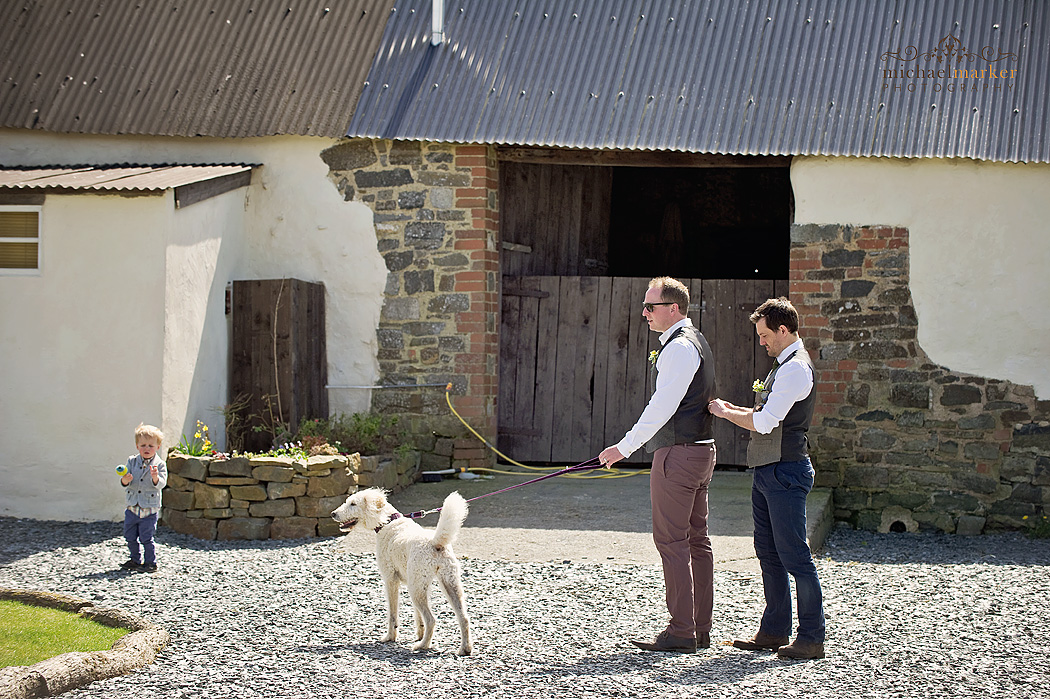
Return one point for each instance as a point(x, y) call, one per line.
point(293, 528)
point(874, 438)
point(411, 200)
point(419, 281)
point(350, 155)
point(441, 178)
point(229, 480)
point(395, 177)
point(901, 498)
point(406, 153)
point(206, 497)
point(252, 493)
point(449, 303)
point(244, 528)
point(857, 288)
point(426, 235)
point(976, 483)
point(970, 525)
point(186, 466)
point(178, 500)
point(328, 527)
point(815, 233)
point(960, 394)
point(842, 258)
point(276, 491)
point(874, 416)
point(273, 508)
point(876, 349)
point(235, 466)
point(277, 473)
point(984, 421)
point(954, 502)
point(910, 395)
point(339, 483)
point(319, 508)
point(1024, 492)
point(911, 419)
point(176, 482)
point(217, 513)
point(896, 296)
point(196, 527)
point(982, 451)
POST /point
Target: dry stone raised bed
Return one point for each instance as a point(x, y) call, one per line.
point(273, 497)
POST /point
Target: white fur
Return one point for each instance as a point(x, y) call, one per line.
point(408, 553)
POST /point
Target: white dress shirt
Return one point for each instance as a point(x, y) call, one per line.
point(793, 382)
point(676, 366)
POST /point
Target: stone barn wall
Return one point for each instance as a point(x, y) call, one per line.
point(904, 442)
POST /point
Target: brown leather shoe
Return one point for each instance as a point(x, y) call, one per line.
point(761, 641)
point(667, 643)
point(802, 650)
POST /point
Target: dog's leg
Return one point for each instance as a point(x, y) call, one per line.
point(393, 587)
point(421, 603)
point(453, 588)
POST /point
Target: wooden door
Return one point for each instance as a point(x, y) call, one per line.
point(574, 361)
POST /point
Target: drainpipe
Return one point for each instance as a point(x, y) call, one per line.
point(437, 23)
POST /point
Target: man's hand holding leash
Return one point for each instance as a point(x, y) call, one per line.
point(609, 457)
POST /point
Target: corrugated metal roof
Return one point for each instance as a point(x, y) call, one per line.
point(228, 68)
point(745, 77)
point(129, 178)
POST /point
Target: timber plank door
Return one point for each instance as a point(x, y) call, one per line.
point(574, 361)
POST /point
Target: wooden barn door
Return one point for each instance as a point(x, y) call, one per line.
point(574, 361)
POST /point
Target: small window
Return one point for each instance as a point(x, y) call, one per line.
point(19, 239)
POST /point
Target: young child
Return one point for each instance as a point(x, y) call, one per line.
point(146, 477)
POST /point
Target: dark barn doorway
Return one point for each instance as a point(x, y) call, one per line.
point(582, 233)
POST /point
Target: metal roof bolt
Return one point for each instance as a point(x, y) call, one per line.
point(651, 98)
point(808, 20)
point(523, 93)
point(619, 95)
point(575, 16)
point(594, 96)
point(670, 19)
point(434, 86)
point(552, 93)
point(1016, 110)
point(385, 85)
point(995, 26)
point(769, 19)
point(975, 109)
point(681, 97)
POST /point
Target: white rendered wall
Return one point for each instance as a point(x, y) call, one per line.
point(979, 250)
point(291, 222)
point(82, 347)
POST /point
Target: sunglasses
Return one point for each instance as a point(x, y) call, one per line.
point(650, 306)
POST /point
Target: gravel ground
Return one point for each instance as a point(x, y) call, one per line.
point(908, 616)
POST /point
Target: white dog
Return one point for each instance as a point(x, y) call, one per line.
point(408, 553)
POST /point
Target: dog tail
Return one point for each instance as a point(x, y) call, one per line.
point(453, 512)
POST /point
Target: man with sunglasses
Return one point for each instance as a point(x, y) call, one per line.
point(676, 428)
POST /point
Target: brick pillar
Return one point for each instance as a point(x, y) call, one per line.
point(478, 326)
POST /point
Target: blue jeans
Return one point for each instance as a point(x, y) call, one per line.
point(778, 503)
point(142, 529)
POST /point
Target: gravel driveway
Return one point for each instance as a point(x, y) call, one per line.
point(908, 616)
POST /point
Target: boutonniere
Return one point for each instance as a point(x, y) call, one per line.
point(758, 386)
point(652, 356)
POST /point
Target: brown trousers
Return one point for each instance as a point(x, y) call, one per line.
point(678, 490)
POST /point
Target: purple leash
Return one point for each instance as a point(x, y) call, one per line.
point(587, 465)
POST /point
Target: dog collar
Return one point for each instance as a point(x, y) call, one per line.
point(392, 518)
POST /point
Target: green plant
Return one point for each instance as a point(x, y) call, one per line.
point(365, 433)
point(198, 445)
point(1040, 528)
point(29, 634)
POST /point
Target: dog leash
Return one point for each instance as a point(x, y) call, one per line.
point(587, 465)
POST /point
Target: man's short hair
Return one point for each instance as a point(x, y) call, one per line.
point(672, 291)
point(777, 312)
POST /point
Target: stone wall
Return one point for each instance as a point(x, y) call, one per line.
point(271, 497)
point(436, 219)
point(906, 443)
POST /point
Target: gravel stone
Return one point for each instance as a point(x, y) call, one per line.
point(909, 615)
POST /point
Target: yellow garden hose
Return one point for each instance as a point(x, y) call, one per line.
point(606, 473)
